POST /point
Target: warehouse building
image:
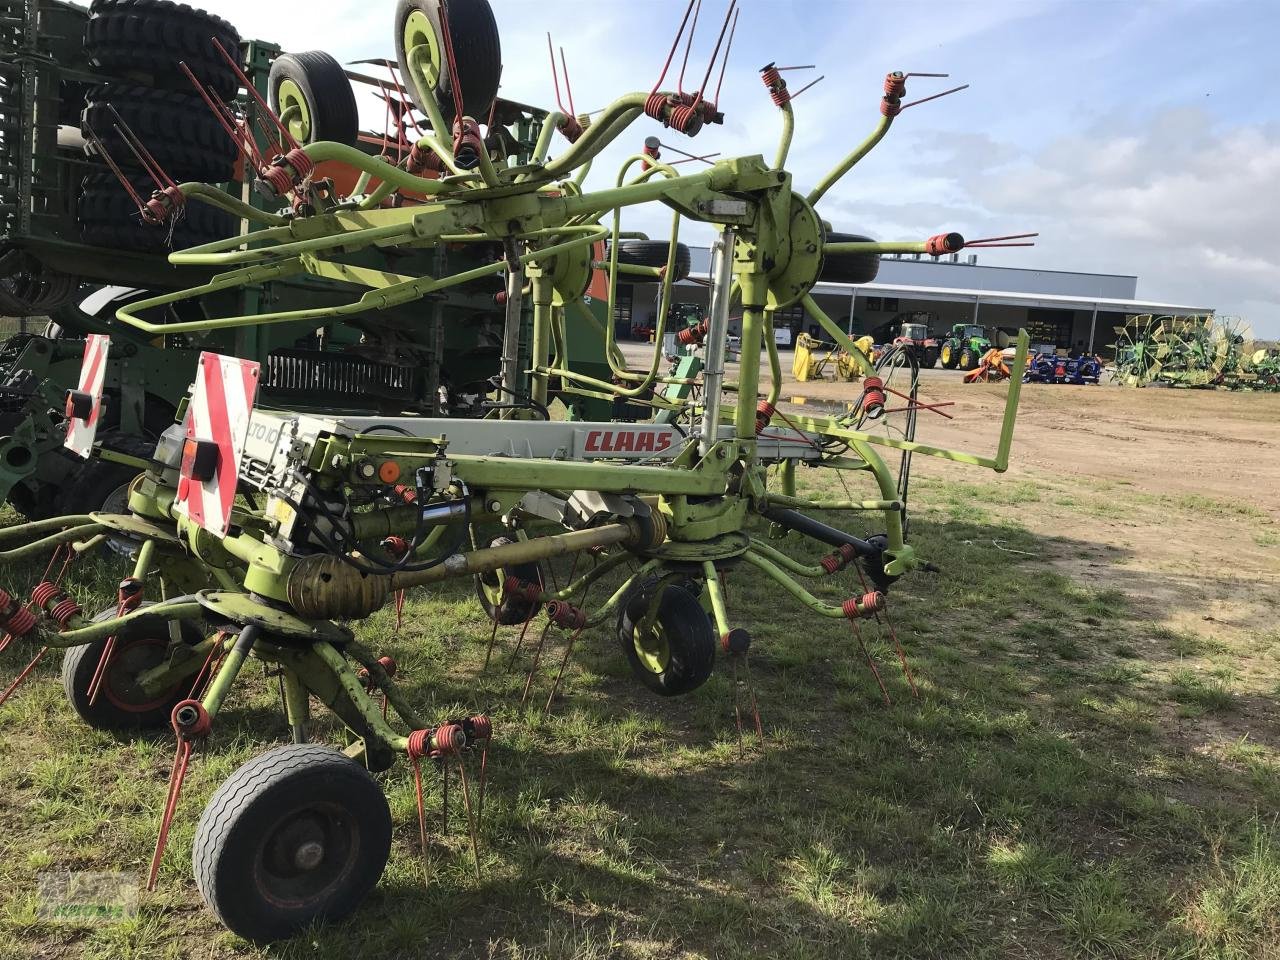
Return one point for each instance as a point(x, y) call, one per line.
point(1063, 309)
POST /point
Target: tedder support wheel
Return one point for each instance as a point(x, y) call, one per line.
point(676, 651)
point(849, 267)
point(653, 253)
point(299, 834)
point(139, 647)
point(967, 359)
point(477, 51)
point(498, 604)
point(312, 95)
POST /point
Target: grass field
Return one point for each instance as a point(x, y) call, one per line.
point(1092, 768)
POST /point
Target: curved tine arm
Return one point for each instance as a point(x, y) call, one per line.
point(39, 528)
point(355, 240)
point(175, 610)
point(224, 201)
point(38, 547)
point(788, 132)
point(840, 337)
point(236, 278)
point(848, 163)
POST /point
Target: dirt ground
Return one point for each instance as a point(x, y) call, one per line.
point(1185, 483)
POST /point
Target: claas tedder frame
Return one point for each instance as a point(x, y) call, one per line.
point(339, 515)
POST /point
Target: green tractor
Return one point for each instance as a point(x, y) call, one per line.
point(964, 346)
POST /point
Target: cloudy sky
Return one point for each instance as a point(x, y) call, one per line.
point(1136, 137)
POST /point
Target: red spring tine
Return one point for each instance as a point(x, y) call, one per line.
point(674, 44)
point(140, 151)
point(715, 54)
point(454, 79)
point(809, 86)
point(568, 87)
point(729, 49)
point(555, 76)
point(213, 106)
point(115, 168)
point(936, 96)
point(253, 91)
point(688, 48)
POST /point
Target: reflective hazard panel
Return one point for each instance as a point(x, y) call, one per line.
point(217, 428)
point(84, 404)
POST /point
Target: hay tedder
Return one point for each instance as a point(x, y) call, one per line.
point(1194, 351)
point(266, 532)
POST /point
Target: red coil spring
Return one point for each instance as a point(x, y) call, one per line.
point(424, 160)
point(405, 493)
point(388, 664)
point(7, 601)
point(468, 146)
point(63, 611)
point(397, 547)
point(44, 593)
point(776, 85)
point(656, 106)
point(764, 413)
point(895, 85)
point(692, 336)
point(832, 563)
point(566, 615)
point(571, 128)
point(156, 210)
point(856, 608)
point(450, 739)
point(419, 744)
point(873, 396)
point(515, 587)
point(944, 243)
point(20, 623)
point(301, 163)
point(481, 727)
point(686, 120)
point(278, 178)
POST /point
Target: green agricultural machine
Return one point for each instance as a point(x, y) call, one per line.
point(270, 532)
point(1193, 351)
point(964, 346)
point(95, 112)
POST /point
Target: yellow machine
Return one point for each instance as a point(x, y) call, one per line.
point(816, 360)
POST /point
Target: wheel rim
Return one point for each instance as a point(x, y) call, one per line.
point(946, 354)
point(653, 650)
point(422, 51)
point(294, 112)
point(306, 855)
point(128, 663)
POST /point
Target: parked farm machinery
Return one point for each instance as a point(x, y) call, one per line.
point(1194, 351)
point(1048, 368)
point(341, 513)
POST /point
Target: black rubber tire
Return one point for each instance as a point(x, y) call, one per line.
point(177, 129)
point(150, 37)
point(929, 358)
point(109, 218)
point(689, 634)
point(324, 86)
point(477, 49)
point(88, 483)
point(849, 267)
point(513, 610)
point(967, 359)
point(240, 832)
point(949, 360)
point(653, 253)
point(113, 710)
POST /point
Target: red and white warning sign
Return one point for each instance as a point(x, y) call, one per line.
point(217, 427)
point(84, 404)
